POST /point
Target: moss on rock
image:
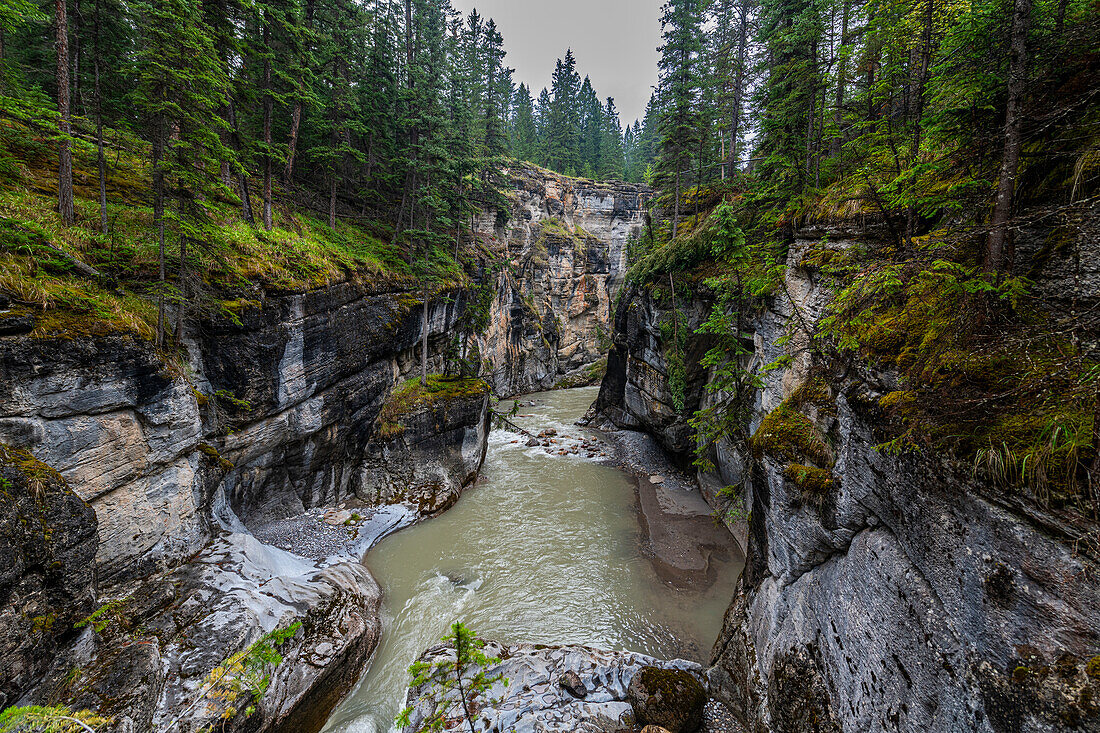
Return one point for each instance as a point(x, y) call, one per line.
point(670, 698)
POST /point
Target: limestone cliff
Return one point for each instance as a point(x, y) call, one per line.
point(901, 593)
point(559, 261)
point(274, 414)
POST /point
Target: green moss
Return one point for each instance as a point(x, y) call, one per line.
point(212, 453)
point(236, 258)
point(815, 484)
point(413, 395)
point(787, 434)
point(671, 683)
point(43, 624)
point(1093, 668)
point(25, 463)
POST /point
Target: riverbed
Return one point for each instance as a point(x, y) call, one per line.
point(545, 548)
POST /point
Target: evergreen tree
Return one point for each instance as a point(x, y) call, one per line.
point(563, 125)
point(591, 129)
point(542, 128)
point(182, 85)
point(790, 31)
point(524, 130)
point(612, 161)
point(679, 88)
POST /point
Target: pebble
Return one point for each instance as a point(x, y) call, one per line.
point(718, 719)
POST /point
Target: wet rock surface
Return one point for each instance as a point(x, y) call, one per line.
point(48, 544)
point(670, 698)
point(534, 699)
point(158, 656)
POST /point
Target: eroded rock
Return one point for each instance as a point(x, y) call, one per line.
point(543, 682)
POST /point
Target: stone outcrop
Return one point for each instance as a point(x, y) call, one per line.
point(562, 260)
point(569, 689)
point(280, 414)
point(430, 445)
point(47, 569)
point(901, 593)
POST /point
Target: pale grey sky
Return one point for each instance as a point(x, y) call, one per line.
point(615, 42)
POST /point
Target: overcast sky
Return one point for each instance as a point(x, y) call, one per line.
point(615, 42)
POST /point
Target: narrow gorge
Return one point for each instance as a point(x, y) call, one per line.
point(302, 403)
point(744, 378)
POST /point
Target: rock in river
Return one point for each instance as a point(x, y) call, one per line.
point(542, 688)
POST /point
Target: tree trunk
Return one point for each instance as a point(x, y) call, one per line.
point(739, 88)
point(408, 192)
point(268, 109)
point(841, 81)
point(676, 206)
point(918, 109)
point(158, 218)
point(998, 250)
point(296, 114)
point(332, 201)
point(242, 177)
point(101, 157)
point(64, 149)
point(76, 100)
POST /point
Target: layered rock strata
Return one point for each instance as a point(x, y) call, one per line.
point(175, 465)
point(561, 258)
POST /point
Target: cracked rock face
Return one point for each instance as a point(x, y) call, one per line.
point(569, 689)
point(47, 570)
point(565, 248)
point(904, 596)
point(154, 662)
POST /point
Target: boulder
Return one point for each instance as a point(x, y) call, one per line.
point(550, 689)
point(670, 698)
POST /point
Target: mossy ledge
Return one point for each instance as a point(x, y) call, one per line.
point(413, 395)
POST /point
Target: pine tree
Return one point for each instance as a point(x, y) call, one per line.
point(524, 132)
point(679, 88)
point(612, 160)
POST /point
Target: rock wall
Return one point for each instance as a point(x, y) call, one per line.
point(274, 414)
point(559, 261)
point(281, 409)
point(904, 596)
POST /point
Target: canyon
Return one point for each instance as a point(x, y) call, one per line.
point(163, 471)
point(169, 514)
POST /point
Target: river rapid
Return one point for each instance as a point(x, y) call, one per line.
point(544, 549)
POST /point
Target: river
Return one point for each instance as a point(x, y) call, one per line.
point(544, 549)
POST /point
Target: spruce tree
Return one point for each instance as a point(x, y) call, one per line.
point(611, 146)
point(563, 125)
point(524, 132)
point(679, 89)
